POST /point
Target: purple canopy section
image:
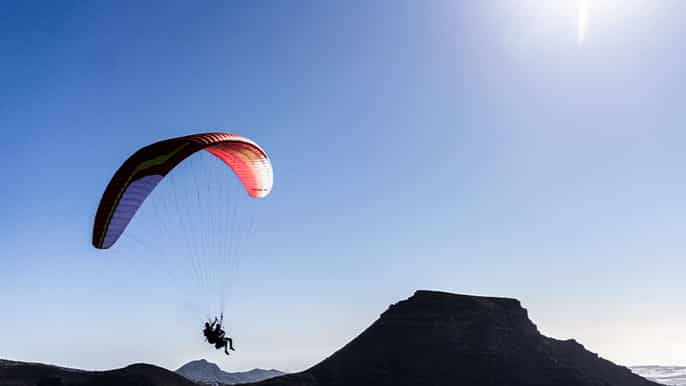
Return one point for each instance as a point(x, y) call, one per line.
point(127, 206)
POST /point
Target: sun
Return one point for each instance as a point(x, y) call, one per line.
point(582, 22)
point(552, 22)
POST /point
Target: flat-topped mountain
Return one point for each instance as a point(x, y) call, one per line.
point(437, 338)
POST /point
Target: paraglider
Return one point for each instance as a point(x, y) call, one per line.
point(215, 334)
point(141, 173)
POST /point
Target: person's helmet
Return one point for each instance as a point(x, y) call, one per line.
point(207, 325)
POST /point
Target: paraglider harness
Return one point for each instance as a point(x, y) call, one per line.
point(214, 334)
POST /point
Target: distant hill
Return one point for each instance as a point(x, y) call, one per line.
point(443, 339)
point(202, 371)
point(666, 375)
point(35, 374)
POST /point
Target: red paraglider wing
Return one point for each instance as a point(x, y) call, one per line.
point(139, 175)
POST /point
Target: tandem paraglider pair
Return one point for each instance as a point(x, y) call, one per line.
point(214, 334)
point(144, 170)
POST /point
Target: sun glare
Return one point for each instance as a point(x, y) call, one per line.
point(581, 25)
point(537, 22)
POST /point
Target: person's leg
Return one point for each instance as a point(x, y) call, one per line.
point(230, 343)
point(221, 344)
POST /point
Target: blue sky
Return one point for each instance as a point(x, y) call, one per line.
point(525, 149)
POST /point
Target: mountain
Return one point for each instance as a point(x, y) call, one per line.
point(8, 363)
point(666, 375)
point(35, 374)
point(440, 339)
point(432, 338)
point(202, 371)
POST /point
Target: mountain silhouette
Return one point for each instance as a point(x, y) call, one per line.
point(437, 338)
point(202, 371)
point(432, 338)
point(36, 374)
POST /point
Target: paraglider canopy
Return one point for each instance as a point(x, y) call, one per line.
point(138, 176)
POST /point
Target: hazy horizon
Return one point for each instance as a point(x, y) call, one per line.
point(529, 149)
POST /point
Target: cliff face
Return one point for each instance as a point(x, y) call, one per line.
point(436, 338)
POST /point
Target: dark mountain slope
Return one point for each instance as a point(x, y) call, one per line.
point(436, 338)
point(33, 374)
